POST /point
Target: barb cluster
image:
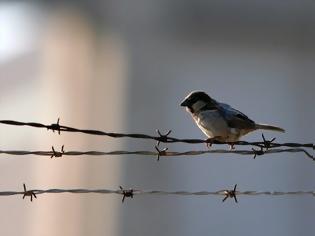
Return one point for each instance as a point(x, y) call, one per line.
point(230, 194)
point(54, 127)
point(126, 193)
point(266, 144)
point(57, 154)
point(28, 193)
point(163, 137)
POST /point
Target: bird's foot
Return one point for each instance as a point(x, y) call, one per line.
point(232, 146)
point(209, 142)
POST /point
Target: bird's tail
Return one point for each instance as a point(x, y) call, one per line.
point(269, 127)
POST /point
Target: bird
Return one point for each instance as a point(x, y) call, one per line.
point(219, 121)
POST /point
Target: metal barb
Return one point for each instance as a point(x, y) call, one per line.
point(57, 154)
point(267, 143)
point(258, 152)
point(28, 193)
point(126, 193)
point(162, 137)
point(55, 127)
point(160, 153)
point(230, 194)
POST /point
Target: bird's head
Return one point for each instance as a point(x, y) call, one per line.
point(197, 100)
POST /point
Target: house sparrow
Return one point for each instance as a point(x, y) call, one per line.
point(219, 121)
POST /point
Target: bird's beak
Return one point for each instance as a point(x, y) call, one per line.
point(184, 103)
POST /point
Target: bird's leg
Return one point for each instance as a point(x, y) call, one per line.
point(209, 141)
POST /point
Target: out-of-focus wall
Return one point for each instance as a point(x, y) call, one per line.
point(71, 71)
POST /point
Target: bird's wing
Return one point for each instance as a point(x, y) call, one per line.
point(235, 118)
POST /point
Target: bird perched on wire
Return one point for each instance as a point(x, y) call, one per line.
point(219, 121)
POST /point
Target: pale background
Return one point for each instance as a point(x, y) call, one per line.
point(125, 66)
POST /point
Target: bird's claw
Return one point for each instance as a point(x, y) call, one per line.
point(209, 142)
point(232, 146)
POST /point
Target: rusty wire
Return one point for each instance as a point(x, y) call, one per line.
point(130, 193)
point(267, 144)
point(159, 153)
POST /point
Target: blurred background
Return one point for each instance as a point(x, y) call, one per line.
point(125, 66)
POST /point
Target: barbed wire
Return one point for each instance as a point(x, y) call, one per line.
point(130, 193)
point(159, 153)
point(264, 147)
point(164, 138)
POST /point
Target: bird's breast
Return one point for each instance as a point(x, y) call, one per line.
point(212, 123)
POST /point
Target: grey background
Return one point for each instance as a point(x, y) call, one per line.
point(258, 56)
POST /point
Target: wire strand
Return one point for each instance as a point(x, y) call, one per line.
point(54, 153)
point(161, 138)
point(132, 192)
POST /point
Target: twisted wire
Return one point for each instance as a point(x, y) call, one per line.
point(54, 153)
point(122, 191)
point(161, 138)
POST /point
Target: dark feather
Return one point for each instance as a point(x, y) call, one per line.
point(209, 107)
point(235, 118)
